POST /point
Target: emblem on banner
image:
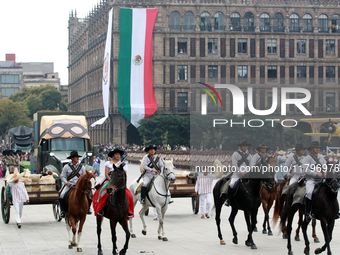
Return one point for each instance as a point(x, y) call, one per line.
point(137, 60)
point(106, 69)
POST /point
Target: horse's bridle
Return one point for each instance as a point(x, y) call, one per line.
point(87, 191)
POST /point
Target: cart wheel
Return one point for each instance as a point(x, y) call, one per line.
point(56, 211)
point(195, 204)
point(5, 206)
point(146, 212)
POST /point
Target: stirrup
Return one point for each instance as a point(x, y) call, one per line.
point(309, 216)
point(142, 201)
point(337, 216)
point(100, 213)
point(226, 203)
point(62, 214)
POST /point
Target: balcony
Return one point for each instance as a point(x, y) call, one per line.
point(308, 29)
point(235, 28)
point(249, 29)
point(219, 28)
point(189, 27)
point(175, 28)
point(207, 27)
point(278, 29)
point(294, 29)
point(265, 29)
point(323, 29)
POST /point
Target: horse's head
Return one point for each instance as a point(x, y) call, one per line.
point(168, 170)
point(264, 172)
point(88, 177)
point(118, 176)
point(332, 178)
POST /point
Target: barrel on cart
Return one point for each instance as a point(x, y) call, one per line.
point(39, 193)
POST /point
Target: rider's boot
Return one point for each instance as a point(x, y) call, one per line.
point(229, 194)
point(62, 207)
point(143, 193)
point(309, 215)
point(337, 216)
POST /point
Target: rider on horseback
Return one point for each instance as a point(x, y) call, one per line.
point(294, 165)
point(261, 156)
point(152, 165)
point(313, 165)
point(69, 176)
point(241, 159)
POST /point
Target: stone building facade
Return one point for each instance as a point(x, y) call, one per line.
point(258, 44)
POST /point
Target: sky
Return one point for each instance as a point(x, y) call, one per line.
point(36, 30)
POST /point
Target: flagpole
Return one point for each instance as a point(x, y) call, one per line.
point(121, 122)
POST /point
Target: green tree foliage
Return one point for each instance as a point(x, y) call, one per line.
point(160, 128)
point(202, 131)
point(293, 136)
point(13, 114)
point(45, 97)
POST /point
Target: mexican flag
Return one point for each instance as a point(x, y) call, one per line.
point(135, 85)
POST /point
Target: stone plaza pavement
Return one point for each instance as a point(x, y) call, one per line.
point(187, 233)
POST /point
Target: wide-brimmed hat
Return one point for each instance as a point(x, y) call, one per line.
point(73, 154)
point(315, 144)
point(299, 146)
point(15, 176)
point(244, 143)
point(281, 152)
point(262, 145)
point(111, 153)
point(150, 147)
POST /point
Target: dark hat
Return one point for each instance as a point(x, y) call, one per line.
point(244, 143)
point(111, 153)
point(150, 147)
point(262, 145)
point(314, 144)
point(299, 146)
point(73, 154)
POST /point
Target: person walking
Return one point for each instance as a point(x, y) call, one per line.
point(203, 188)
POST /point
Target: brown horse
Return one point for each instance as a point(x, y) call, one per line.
point(78, 208)
point(116, 209)
point(279, 203)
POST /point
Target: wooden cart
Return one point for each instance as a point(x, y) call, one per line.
point(38, 194)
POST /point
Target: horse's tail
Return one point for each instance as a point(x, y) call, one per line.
point(279, 200)
point(283, 218)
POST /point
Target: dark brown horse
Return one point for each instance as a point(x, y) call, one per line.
point(325, 206)
point(116, 209)
point(78, 207)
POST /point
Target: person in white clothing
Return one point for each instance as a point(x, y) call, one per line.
point(19, 196)
point(203, 188)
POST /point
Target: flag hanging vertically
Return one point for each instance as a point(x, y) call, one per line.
point(106, 72)
point(135, 85)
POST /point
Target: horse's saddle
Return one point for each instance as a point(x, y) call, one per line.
point(299, 195)
point(148, 187)
point(225, 187)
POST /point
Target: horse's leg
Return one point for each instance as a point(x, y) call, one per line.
point(290, 216)
point(316, 239)
point(232, 216)
point(141, 214)
point(163, 210)
point(68, 227)
point(131, 229)
point(124, 225)
point(74, 231)
point(266, 218)
point(250, 226)
point(99, 230)
point(270, 204)
point(297, 231)
point(304, 231)
point(330, 227)
point(113, 224)
point(218, 207)
point(80, 231)
point(326, 236)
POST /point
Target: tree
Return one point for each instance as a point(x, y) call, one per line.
point(293, 136)
point(13, 114)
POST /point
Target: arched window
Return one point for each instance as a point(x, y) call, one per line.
point(264, 22)
point(323, 23)
point(336, 24)
point(278, 23)
point(294, 23)
point(249, 22)
point(219, 21)
point(307, 23)
point(175, 21)
point(205, 21)
point(235, 22)
point(189, 21)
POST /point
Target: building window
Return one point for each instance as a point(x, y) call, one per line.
point(301, 73)
point(272, 73)
point(242, 73)
point(307, 23)
point(175, 21)
point(278, 23)
point(205, 21)
point(249, 22)
point(10, 79)
point(219, 21)
point(212, 45)
point(212, 73)
point(330, 73)
point(301, 46)
point(272, 46)
point(323, 23)
point(242, 45)
point(264, 22)
point(330, 101)
point(212, 107)
point(182, 73)
point(189, 21)
point(330, 47)
point(8, 91)
point(182, 45)
point(336, 24)
point(269, 100)
point(294, 23)
point(182, 101)
point(235, 22)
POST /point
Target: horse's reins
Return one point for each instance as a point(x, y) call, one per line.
point(115, 190)
point(87, 188)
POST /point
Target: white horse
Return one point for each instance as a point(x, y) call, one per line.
point(159, 196)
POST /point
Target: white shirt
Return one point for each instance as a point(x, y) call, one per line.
point(110, 166)
point(204, 183)
point(19, 192)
